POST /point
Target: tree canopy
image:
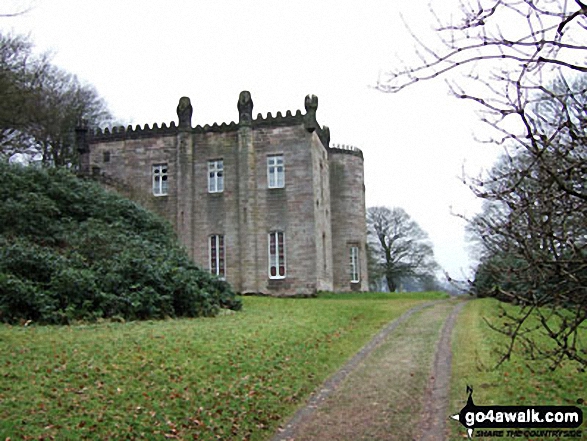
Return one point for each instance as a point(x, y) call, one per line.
point(399, 249)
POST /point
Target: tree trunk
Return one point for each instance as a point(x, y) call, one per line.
point(391, 285)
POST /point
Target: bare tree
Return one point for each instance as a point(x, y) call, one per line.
point(62, 102)
point(532, 231)
point(41, 104)
point(20, 75)
point(400, 249)
point(523, 63)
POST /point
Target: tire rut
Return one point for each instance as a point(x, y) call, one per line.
point(388, 383)
point(433, 419)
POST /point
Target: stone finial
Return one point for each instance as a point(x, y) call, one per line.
point(81, 133)
point(184, 113)
point(311, 104)
point(245, 108)
point(325, 138)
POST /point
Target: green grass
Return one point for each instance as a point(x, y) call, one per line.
point(519, 381)
point(385, 296)
point(232, 377)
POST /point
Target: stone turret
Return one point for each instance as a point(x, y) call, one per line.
point(348, 213)
point(83, 149)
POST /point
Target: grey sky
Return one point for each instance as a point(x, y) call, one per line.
point(143, 56)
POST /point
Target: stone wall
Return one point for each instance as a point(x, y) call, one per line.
point(321, 209)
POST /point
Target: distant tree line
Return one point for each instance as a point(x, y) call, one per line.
point(41, 104)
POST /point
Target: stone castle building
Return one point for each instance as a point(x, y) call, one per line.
point(265, 203)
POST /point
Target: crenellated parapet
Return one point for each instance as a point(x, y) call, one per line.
point(345, 149)
point(216, 128)
point(245, 110)
point(289, 119)
point(121, 132)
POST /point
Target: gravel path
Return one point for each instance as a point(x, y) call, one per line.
point(384, 390)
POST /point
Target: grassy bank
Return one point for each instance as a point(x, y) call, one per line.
point(232, 377)
point(517, 382)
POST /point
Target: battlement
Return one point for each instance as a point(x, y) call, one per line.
point(245, 108)
point(345, 149)
point(279, 120)
point(120, 132)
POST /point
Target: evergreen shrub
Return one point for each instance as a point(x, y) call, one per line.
point(69, 251)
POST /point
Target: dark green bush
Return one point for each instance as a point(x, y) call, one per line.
point(71, 251)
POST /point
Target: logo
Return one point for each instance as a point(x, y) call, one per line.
point(519, 418)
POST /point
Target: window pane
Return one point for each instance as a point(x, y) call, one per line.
point(160, 179)
point(280, 180)
point(276, 254)
point(275, 171)
point(215, 176)
point(354, 264)
point(212, 254)
point(217, 265)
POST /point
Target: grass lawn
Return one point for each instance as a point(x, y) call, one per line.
point(516, 382)
point(232, 377)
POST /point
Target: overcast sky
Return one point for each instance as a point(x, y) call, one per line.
point(142, 56)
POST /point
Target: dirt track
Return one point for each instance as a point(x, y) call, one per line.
point(395, 388)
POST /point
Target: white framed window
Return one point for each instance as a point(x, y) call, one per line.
point(275, 171)
point(216, 255)
point(160, 179)
point(215, 176)
point(276, 255)
point(354, 264)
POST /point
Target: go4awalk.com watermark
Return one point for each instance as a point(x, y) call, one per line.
point(525, 422)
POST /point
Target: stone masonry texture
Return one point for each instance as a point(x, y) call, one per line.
point(320, 209)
